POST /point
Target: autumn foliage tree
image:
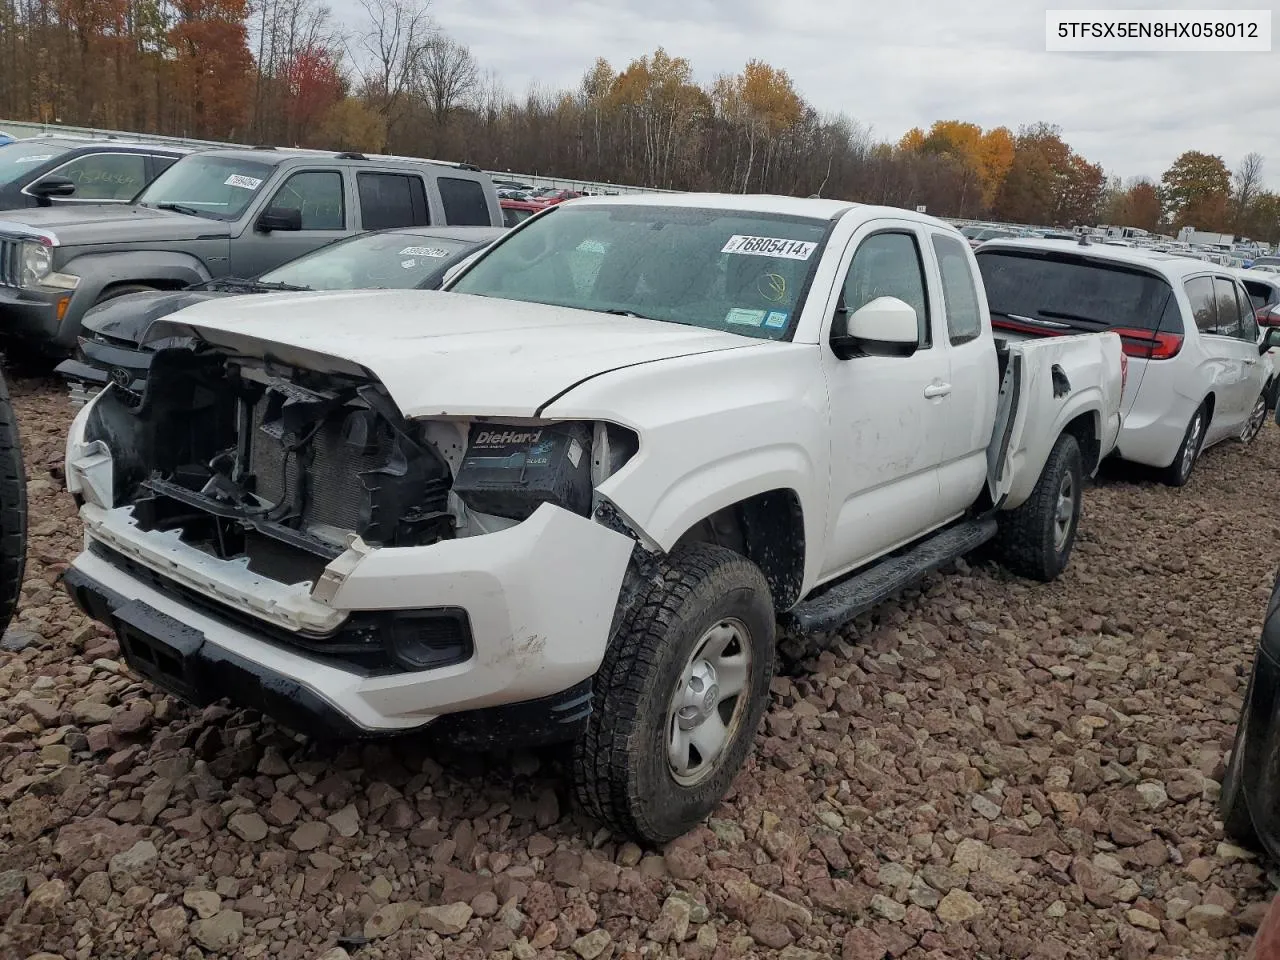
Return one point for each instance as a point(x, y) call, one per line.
point(389, 79)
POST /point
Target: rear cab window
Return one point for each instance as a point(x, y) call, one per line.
point(959, 294)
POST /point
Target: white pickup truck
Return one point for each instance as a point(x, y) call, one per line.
point(571, 498)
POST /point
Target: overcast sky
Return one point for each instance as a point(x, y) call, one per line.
point(895, 64)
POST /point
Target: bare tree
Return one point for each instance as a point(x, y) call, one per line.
point(445, 76)
point(1246, 183)
point(387, 52)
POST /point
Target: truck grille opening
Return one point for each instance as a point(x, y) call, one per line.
point(281, 467)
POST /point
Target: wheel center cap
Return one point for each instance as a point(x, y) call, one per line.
point(710, 699)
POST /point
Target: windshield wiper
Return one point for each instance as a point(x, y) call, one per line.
point(1033, 320)
point(178, 208)
point(239, 283)
point(627, 313)
point(1073, 316)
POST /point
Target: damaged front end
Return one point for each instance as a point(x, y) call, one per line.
point(280, 468)
point(263, 493)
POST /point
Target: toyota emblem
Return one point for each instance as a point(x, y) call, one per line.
point(121, 377)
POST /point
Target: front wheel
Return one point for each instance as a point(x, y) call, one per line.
point(1257, 417)
point(1035, 539)
point(679, 696)
point(1179, 472)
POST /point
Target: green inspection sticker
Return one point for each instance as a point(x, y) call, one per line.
point(744, 318)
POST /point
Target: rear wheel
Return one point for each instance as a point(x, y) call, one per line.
point(678, 697)
point(1257, 417)
point(123, 290)
point(1035, 539)
point(1179, 472)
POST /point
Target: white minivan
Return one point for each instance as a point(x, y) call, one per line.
point(1195, 373)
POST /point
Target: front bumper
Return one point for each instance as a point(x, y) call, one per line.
point(539, 597)
point(108, 363)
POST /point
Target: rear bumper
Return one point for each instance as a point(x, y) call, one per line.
point(1152, 433)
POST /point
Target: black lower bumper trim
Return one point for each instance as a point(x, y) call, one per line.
point(177, 658)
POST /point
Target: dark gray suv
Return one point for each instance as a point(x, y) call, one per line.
point(213, 214)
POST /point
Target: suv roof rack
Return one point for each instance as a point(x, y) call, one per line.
point(469, 166)
point(263, 146)
point(350, 155)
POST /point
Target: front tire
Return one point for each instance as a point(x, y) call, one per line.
point(1179, 472)
point(1035, 539)
point(678, 697)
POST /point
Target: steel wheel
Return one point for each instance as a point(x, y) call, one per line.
point(1258, 416)
point(707, 704)
point(1064, 511)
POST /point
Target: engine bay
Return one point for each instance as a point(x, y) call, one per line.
point(281, 467)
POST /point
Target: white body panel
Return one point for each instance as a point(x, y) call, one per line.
point(878, 450)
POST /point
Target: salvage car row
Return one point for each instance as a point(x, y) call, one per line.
point(570, 494)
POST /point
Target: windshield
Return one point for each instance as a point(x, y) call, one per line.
point(215, 187)
point(737, 271)
point(22, 156)
point(1074, 291)
point(374, 261)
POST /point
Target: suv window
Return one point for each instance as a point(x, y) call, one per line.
point(392, 200)
point(959, 295)
point(464, 202)
point(105, 176)
point(889, 265)
point(1228, 308)
point(1248, 322)
point(1068, 290)
point(318, 195)
point(161, 163)
point(1203, 305)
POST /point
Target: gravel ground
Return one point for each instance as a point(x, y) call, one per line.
point(987, 768)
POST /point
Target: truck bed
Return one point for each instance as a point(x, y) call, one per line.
point(1048, 385)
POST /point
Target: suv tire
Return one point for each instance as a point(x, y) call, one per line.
point(704, 628)
point(1179, 472)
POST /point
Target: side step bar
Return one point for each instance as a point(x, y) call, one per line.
point(862, 591)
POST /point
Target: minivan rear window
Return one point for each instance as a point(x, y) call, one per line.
point(1077, 292)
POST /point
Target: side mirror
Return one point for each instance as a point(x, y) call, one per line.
point(886, 326)
point(279, 218)
point(1270, 339)
point(52, 186)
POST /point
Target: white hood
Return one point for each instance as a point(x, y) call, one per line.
point(444, 353)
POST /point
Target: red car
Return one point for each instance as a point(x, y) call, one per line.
point(517, 211)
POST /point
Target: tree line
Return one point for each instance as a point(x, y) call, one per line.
point(286, 72)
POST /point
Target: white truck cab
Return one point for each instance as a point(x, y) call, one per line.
point(572, 496)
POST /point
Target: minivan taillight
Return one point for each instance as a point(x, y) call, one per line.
point(1147, 345)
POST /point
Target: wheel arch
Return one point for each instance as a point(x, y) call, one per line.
point(766, 528)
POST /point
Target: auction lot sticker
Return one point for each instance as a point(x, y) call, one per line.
point(769, 247)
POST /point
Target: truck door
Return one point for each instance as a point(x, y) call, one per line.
point(970, 410)
point(888, 426)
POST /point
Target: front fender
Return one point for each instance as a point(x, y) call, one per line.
point(99, 271)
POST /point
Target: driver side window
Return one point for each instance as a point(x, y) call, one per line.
point(318, 195)
point(889, 265)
